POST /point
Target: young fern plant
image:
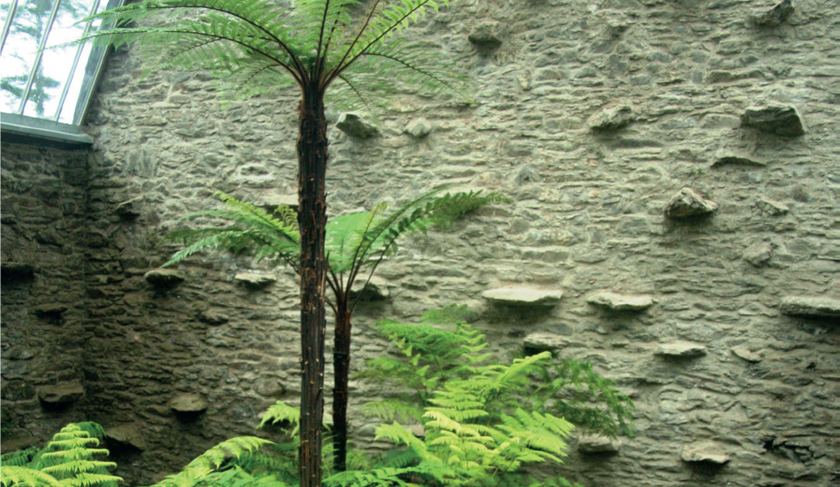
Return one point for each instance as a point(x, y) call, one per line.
point(356, 244)
point(69, 460)
point(258, 45)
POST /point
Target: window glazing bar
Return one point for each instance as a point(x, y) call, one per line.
point(8, 24)
point(79, 51)
point(38, 57)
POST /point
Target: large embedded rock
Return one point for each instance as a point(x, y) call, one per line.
point(723, 158)
point(758, 254)
point(772, 208)
point(419, 128)
point(544, 342)
point(621, 302)
point(688, 203)
point(126, 434)
point(163, 277)
point(254, 280)
point(188, 404)
point(745, 354)
point(485, 36)
point(598, 444)
point(354, 125)
point(517, 296)
point(817, 307)
point(706, 452)
point(61, 394)
point(773, 17)
point(53, 310)
point(611, 118)
point(774, 119)
point(681, 350)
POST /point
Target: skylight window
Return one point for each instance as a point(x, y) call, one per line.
point(40, 80)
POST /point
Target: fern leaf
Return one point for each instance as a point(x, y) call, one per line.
point(20, 476)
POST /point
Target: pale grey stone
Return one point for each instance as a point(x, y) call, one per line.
point(775, 119)
point(758, 254)
point(188, 403)
point(61, 394)
point(520, 296)
point(819, 307)
point(621, 302)
point(544, 342)
point(744, 353)
point(254, 280)
point(681, 350)
point(612, 118)
point(725, 157)
point(705, 451)
point(485, 36)
point(376, 290)
point(688, 203)
point(127, 434)
point(598, 444)
point(163, 277)
point(354, 125)
point(771, 207)
point(419, 128)
point(774, 16)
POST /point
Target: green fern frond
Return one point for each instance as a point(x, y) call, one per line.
point(390, 409)
point(280, 412)
point(210, 461)
point(20, 476)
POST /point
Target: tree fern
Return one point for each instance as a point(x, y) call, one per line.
point(258, 45)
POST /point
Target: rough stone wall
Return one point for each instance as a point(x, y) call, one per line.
point(592, 116)
point(44, 319)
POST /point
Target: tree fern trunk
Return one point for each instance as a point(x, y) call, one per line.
point(312, 161)
point(341, 364)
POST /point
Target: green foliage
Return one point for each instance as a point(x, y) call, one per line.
point(202, 470)
point(67, 461)
point(261, 44)
point(431, 356)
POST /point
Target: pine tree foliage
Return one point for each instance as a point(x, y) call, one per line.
point(68, 460)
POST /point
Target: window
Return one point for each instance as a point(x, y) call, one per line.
point(44, 86)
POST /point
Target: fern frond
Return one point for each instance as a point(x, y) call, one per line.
point(211, 460)
point(20, 476)
point(280, 412)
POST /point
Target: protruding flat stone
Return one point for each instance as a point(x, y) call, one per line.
point(376, 290)
point(621, 302)
point(130, 209)
point(745, 354)
point(771, 207)
point(544, 342)
point(354, 125)
point(188, 404)
point(163, 277)
point(61, 394)
point(612, 118)
point(212, 317)
point(419, 128)
point(681, 350)
point(270, 204)
point(705, 451)
point(688, 203)
point(485, 36)
point(517, 296)
point(774, 119)
point(723, 158)
point(758, 254)
point(817, 307)
point(51, 310)
point(773, 17)
point(127, 434)
point(598, 444)
point(254, 280)
point(16, 271)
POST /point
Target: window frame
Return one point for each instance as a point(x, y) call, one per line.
point(16, 127)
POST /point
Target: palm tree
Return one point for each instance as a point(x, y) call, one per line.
point(315, 44)
point(356, 245)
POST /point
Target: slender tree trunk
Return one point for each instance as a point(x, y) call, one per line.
point(312, 219)
point(341, 364)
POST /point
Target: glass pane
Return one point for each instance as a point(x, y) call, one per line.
point(21, 48)
point(57, 61)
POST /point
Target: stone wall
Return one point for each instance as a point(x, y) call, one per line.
point(44, 319)
point(594, 117)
